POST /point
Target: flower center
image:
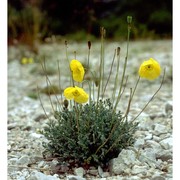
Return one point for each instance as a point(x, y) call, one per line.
point(76, 93)
point(149, 67)
point(78, 71)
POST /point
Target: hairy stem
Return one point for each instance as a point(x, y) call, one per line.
point(151, 97)
point(124, 68)
point(109, 74)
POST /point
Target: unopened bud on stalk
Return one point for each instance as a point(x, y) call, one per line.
point(66, 103)
point(129, 19)
point(103, 32)
point(118, 51)
point(89, 44)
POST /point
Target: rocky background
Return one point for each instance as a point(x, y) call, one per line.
point(151, 155)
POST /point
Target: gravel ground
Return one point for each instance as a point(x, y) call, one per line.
point(26, 116)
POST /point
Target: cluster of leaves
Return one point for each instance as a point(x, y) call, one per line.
point(92, 133)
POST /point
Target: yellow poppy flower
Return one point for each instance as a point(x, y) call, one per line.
point(25, 60)
point(150, 69)
point(77, 70)
point(31, 60)
point(76, 93)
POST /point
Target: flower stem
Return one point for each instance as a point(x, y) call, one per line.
point(109, 74)
point(60, 80)
point(42, 103)
point(48, 82)
point(151, 97)
point(101, 76)
point(117, 73)
point(89, 86)
point(89, 49)
point(131, 97)
point(124, 68)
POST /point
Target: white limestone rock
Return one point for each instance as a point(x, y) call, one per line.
point(40, 176)
point(126, 159)
point(79, 171)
